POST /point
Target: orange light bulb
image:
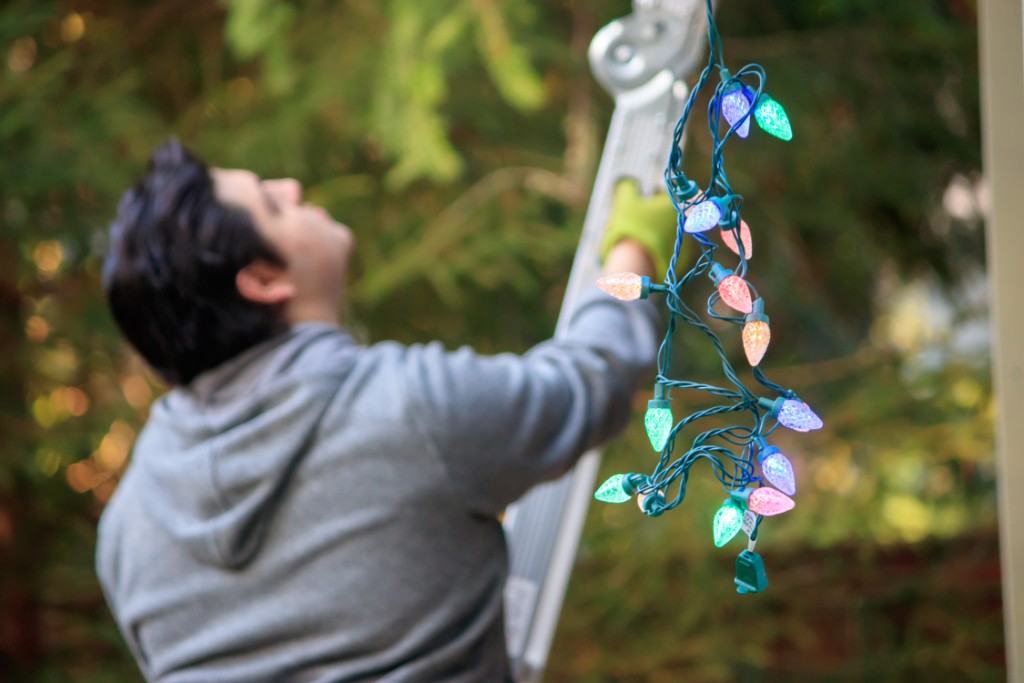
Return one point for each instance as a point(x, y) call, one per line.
point(756, 334)
point(625, 286)
point(697, 199)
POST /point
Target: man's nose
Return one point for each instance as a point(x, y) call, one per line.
point(288, 189)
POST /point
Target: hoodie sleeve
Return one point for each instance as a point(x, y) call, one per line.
point(504, 423)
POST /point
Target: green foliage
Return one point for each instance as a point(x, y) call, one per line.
point(408, 119)
point(459, 139)
point(253, 28)
point(507, 62)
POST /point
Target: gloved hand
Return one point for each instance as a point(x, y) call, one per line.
point(650, 221)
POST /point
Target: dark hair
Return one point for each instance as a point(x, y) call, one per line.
point(169, 275)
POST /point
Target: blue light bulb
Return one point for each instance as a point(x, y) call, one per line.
point(703, 216)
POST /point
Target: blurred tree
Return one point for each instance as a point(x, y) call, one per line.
point(459, 139)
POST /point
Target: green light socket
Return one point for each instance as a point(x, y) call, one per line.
point(741, 496)
point(646, 287)
point(654, 504)
point(632, 482)
point(771, 406)
point(684, 189)
point(757, 312)
point(750, 574)
point(719, 273)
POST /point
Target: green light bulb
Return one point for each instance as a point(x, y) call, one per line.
point(658, 421)
point(611, 491)
point(728, 522)
point(772, 118)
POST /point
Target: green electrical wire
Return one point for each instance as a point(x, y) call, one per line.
point(731, 452)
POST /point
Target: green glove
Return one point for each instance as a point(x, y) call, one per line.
point(651, 221)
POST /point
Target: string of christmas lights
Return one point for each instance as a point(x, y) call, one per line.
point(757, 477)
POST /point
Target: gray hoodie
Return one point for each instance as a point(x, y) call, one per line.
point(317, 510)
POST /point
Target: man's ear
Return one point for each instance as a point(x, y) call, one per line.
point(263, 282)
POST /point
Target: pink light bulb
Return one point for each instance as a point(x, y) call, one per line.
point(768, 501)
point(735, 293)
point(729, 240)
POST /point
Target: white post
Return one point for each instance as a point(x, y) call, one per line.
point(1001, 24)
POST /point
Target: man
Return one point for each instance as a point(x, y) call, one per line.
point(303, 508)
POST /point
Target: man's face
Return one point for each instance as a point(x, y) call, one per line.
point(315, 247)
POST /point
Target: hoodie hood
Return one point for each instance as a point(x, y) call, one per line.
point(217, 455)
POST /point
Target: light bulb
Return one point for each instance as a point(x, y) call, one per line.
point(772, 118)
point(731, 288)
point(735, 293)
point(694, 202)
point(768, 501)
point(798, 416)
point(611, 491)
point(792, 413)
point(756, 334)
point(777, 470)
point(703, 216)
point(735, 105)
point(658, 422)
point(729, 240)
point(728, 522)
point(625, 286)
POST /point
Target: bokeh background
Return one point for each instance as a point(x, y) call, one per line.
point(459, 139)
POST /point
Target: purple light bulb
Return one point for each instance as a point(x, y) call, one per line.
point(736, 105)
point(798, 416)
point(778, 470)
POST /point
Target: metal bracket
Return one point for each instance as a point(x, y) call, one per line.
point(656, 37)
